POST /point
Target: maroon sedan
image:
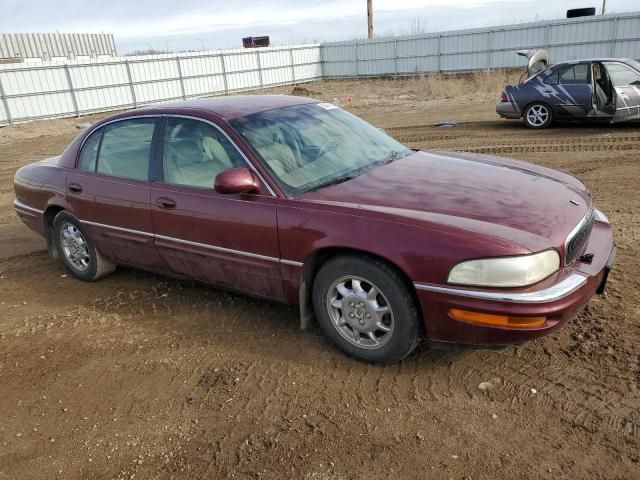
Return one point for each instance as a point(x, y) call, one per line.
point(301, 202)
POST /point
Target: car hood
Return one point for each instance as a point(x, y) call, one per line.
point(532, 206)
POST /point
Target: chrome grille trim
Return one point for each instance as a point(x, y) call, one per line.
point(584, 226)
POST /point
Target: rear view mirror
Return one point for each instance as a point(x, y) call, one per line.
point(235, 180)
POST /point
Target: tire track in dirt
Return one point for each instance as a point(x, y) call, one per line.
point(553, 148)
point(142, 345)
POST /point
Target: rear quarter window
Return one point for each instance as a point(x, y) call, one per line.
point(89, 152)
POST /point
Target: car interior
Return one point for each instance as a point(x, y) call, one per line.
point(603, 93)
point(125, 149)
point(195, 153)
point(271, 143)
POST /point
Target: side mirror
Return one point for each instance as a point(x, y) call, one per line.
point(235, 180)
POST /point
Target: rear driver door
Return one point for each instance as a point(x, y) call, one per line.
point(569, 90)
point(109, 191)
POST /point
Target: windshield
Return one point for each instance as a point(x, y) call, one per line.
point(310, 146)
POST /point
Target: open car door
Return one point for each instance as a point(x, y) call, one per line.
point(537, 61)
point(626, 84)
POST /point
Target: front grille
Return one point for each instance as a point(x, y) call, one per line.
point(578, 238)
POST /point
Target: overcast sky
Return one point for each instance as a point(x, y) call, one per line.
point(214, 24)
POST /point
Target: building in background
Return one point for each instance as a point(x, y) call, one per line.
point(42, 47)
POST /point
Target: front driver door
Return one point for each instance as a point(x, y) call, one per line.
point(626, 82)
point(228, 240)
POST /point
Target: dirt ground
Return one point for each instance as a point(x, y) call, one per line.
point(139, 376)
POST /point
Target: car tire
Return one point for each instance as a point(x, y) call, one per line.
point(366, 308)
point(77, 251)
point(538, 115)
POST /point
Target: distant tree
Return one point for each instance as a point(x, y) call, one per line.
point(149, 51)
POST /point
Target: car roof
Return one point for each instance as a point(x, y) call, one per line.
point(603, 59)
point(231, 106)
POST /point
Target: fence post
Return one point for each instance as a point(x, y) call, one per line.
point(439, 54)
point(259, 68)
point(5, 103)
point(395, 55)
point(614, 36)
point(74, 100)
point(184, 94)
point(131, 86)
point(224, 75)
point(357, 61)
point(547, 39)
point(293, 67)
point(489, 49)
point(321, 48)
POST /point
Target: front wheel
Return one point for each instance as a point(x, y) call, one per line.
point(76, 250)
point(538, 116)
point(366, 308)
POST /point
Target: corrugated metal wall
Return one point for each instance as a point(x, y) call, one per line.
point(485, 48)
point(48, 46)
point(75, 88)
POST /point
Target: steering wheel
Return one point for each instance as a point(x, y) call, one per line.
point(326, 147)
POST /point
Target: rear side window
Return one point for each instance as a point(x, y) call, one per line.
point(126, 148)
point(89, 153)
point(569, 75)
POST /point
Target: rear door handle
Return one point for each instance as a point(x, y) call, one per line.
point(75, 188)
point(166, 203)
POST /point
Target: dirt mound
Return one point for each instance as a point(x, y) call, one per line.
point(301, 91)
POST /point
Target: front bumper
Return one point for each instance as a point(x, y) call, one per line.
point(507, 110)
point(559, 298)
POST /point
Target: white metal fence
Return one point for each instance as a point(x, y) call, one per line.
point(76, 88)
point(485, 48)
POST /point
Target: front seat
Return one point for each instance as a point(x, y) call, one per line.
point(216, 152)
point(274, 151)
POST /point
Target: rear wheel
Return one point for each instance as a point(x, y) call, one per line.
point(365, 307)
point(538, 115)
point(76, 250)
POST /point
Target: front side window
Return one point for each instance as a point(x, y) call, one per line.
point(126, 148)
point(313, 145)
point(195, 152)
point(621, 75)
point(89, 153)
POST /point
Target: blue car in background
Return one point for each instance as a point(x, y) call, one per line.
point(598, 89)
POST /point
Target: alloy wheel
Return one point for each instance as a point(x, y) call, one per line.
point(360, 312)
point(537, 115)
point(74, 247)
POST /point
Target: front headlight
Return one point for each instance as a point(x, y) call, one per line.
point(518, 271)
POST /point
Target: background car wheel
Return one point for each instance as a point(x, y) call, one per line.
point(77, 251)
point(366, 308)
point(538, 115)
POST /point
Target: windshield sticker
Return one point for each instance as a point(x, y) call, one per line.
point(327, 106)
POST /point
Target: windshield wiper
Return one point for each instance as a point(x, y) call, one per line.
point(334, 181)
point(393, 155)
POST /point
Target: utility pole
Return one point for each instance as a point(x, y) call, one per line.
point(370, 19)
point(604, 7)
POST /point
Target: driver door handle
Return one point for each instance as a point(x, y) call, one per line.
point(166, 203)
point(75, 188)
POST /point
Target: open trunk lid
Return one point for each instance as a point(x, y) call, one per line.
point(537, 61)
